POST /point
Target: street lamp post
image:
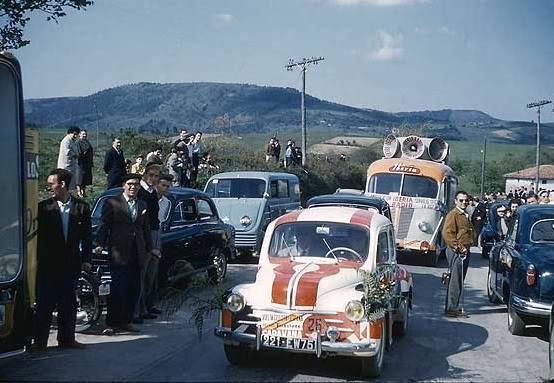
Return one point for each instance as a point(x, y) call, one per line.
point(538, 105)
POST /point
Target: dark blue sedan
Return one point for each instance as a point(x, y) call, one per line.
point(351, 199)
point(521, 268)
point(194, 239)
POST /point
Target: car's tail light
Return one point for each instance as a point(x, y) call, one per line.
point(424, 246)
point(531, 275)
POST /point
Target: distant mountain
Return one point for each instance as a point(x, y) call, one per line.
point(240, 108)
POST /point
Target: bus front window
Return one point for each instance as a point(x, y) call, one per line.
point(418, 186)
point(385, 183)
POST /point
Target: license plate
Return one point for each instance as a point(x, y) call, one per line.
point(287, 343)
point(104, 289)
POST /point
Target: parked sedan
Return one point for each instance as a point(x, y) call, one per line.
point(194, 239)
point(351, 199)
point(521, 268)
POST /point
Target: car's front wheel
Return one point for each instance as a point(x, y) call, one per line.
point(516, 325)
point(237, 355)
point(371, 366)
point(400, 328)
point(490, 290)
point(219, 271)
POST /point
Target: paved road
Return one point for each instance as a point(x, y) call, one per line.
point(479, 348)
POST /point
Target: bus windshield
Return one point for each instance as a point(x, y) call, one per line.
point(413, 186)
point(236, 188)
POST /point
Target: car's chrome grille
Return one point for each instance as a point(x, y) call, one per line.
point(245, 240)
point(406, 215)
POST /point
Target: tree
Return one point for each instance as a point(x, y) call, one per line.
point(15, 15)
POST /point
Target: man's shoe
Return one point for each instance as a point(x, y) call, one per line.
point(74, 344)
point(138, 320)
point(155, 310)
point(108, 331)
point(129, 328)
point(149, 316)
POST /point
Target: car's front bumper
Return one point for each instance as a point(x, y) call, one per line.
point(530, 307)
point(365, 349)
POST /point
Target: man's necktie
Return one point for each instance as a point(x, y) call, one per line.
point(132, 210)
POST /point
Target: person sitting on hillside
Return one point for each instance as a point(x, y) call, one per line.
point(138, 166)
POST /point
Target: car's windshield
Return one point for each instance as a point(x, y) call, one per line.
point(332, 240)
point(413, 186)
point(236, 188)
point(543, 231)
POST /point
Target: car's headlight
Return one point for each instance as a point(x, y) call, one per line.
point(424, 227)
point(245, 221)
point(354, 311)
point(235, 302)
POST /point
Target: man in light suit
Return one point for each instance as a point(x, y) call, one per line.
point(68, 155)
point(64, 248)
point(125, 231)
point(114, 164)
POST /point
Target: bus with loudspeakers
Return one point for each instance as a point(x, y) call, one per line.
point(414, 178)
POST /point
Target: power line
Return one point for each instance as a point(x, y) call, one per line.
point(302, 65)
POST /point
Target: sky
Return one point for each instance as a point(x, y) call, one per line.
point(391, 55)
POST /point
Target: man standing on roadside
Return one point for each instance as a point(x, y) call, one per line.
point(64, 249)
point(68, 155)
point(149, 270)
point(114, 164)
point(458, 235)
point(125, 232)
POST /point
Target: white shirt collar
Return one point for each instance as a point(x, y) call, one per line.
point(146, 187)
point(66, 204)
point(127, 198)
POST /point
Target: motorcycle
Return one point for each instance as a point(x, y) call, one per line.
point(91, 291)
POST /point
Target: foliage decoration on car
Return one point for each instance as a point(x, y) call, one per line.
point(204, 306)
point(378, 288)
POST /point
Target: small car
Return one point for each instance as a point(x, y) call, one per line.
point(194, 239)
point(521, 268)
point(311, 291)
point(251, 200)
point(351, 199)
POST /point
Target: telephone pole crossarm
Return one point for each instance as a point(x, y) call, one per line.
point(302, 65)
point(538, 105)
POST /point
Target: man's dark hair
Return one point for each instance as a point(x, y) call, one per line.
point(157, 147)
point(166, 177)
point(84, 130)
point(152, 167)
point(461, 192)
point(518, 201)
point(116, 138)
point(62, 175)
point(140, 156)
point(73, 129)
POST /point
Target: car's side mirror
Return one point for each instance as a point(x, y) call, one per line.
point(266, 195)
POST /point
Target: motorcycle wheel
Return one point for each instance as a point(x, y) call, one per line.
point(88, 303)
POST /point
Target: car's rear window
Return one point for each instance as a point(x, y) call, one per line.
point(543, 231)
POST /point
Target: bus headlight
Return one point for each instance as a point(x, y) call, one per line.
point(424, 227)
point(235, 302)
point(354, 311)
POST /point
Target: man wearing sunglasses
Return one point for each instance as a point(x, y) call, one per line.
point(458, 235)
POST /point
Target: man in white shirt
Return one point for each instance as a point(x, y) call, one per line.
point(68, 155)
point(165, 205)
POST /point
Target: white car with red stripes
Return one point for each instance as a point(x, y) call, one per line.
point(309, 291)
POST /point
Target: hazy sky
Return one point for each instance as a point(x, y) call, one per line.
point(391, 55)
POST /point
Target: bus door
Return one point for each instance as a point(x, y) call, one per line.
point(17, 224)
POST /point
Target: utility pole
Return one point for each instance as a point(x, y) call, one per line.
point(484, 151)
point(302, 65)
point(97, 128)
point(538, 105)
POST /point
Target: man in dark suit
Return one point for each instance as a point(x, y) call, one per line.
point(114, 164)
point(125, 231)
point(64, 248)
